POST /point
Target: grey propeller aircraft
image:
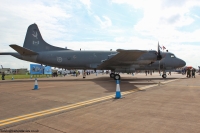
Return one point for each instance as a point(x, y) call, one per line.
point(35, 49)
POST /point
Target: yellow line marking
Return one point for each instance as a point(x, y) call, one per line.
point(169, 81)
point(80, 103)
point(25, 117)
point(67, 107)
point(186, 86)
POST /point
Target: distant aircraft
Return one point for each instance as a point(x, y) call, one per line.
point(35, 49)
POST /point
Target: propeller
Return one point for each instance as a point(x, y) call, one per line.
point(159, 56)
point(159, 66)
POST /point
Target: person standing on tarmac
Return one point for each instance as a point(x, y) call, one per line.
point(84, 74)
point(188, 73)
point(146, 72)
point(3, 76)
point(193, 73)
point(169, 73)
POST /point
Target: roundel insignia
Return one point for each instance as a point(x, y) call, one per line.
point(59, 59)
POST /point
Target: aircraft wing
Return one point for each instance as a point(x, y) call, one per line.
point(22, 50)
point(123, 57)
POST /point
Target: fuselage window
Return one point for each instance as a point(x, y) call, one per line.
point(172, 56)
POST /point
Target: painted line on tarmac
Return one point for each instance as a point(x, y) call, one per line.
point(186, 86)
point(67, 107)
point(50, 111)
point(156, 83)
point(169, 81)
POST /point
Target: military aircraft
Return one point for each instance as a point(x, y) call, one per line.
point(35, 49)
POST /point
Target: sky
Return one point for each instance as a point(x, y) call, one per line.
point(103, 25)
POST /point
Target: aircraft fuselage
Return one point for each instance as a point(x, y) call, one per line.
point(70, 59)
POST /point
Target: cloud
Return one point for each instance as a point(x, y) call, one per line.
point(174, 12)
point(120, 39)
point(170, 20)
point(172, 3)
point(86, 2)
point(104, 23)
point(161, 23)
point(22, 15)
point(137, 4)
point(97, 25)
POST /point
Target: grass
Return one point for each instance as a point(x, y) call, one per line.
point(9, 77)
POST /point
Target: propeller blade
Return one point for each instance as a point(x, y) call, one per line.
point(159, 57)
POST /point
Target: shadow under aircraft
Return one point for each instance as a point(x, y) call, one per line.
point(35, 49)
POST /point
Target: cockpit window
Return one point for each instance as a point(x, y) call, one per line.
point(172, 56)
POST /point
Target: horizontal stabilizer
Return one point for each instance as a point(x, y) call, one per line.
point(22, 51)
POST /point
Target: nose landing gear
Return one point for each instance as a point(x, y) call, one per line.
point(164, 75)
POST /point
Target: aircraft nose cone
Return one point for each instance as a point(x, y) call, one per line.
point(182, 63)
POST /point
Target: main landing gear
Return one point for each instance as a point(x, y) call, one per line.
point(115, 76)
point(164, 76)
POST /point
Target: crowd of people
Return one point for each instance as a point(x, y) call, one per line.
point(150, 72)
point(190, 73)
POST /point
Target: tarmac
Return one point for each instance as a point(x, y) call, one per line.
point(149, 104)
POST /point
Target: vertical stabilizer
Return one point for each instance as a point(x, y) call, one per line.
point(35, 42)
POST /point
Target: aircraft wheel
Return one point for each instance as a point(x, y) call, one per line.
point(112, 75)
point(117, 77)
point(164, 76)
